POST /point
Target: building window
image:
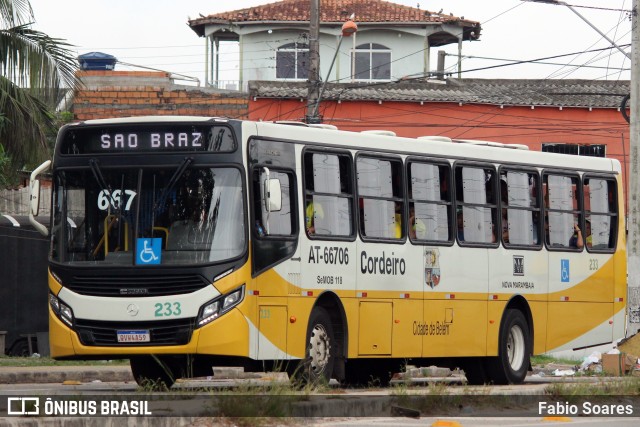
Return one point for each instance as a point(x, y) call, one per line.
point(593, 150)
point(292, 61)
point(372, 62)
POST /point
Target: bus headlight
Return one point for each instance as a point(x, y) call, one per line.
point(61, 310)
point(219, 306)
point(209, 312)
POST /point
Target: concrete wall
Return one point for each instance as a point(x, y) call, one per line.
point(16, 202)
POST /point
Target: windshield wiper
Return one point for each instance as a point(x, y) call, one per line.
point(97, 174)
point(172, 182)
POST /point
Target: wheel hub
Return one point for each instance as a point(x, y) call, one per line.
point(319, 348)
point(515, 347)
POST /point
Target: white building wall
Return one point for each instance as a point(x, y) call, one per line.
point(258, 51)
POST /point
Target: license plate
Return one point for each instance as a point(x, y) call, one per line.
point(134, 336)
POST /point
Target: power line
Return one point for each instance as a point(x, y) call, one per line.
point(552, 2)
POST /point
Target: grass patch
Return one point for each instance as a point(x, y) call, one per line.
point(625, 386)
point(254, 405)
point(47, 361)
point(546, 359)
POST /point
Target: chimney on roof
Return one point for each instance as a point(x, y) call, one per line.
point(440, 69)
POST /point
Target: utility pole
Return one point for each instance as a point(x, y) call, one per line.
point(633, 195)
point(314, 63)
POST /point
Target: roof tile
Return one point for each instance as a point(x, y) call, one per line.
point(333, 11)
point(550, 93)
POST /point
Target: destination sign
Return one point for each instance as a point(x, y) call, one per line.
point(147, 138)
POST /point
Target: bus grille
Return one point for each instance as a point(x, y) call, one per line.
point(136, 286)
point(97, 333)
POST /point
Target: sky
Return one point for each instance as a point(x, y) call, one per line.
point(155, 34)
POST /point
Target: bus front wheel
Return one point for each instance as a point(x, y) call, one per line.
point(512, 363)
point(319, 361)
point(152, 372)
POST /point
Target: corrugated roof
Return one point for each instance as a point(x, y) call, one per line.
point(548, 93)
point(336, 11)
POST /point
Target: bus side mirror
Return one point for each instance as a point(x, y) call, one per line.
point(274, 195)
point(34, 193)
point(34, 197)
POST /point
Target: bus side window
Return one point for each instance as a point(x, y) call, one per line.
point(600, 213)
point(270, 222)
point(519, 207)
point(429, 202)
point(563, 216)
point(328, 207)
point(476, 200)
point(381, 198)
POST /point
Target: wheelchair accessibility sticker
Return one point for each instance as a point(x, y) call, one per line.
point(564, 270)
point(148, 251)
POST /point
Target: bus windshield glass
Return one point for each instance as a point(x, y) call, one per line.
point(135, 217)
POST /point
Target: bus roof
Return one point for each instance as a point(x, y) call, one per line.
point(387, 142)
point(436, 146)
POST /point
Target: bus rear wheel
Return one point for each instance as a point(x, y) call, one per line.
point(320, 358)
point(512, 363)
point(152, 372)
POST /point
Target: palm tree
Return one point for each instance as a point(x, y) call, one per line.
point(35, 73)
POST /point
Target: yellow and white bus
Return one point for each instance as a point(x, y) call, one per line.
point(183, 243)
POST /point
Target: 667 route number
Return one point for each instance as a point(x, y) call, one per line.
point(331, 255)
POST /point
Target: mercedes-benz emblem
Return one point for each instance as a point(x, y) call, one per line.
point(133, 310)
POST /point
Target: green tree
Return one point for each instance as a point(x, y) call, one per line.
point(36, 71)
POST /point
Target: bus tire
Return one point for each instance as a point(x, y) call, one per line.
point(151, 372)
point(514, 350)
point(320, 358)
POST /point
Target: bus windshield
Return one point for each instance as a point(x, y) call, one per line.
point(176, 215)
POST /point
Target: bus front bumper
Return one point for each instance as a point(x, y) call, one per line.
point(227, 335)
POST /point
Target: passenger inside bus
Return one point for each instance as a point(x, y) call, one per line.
point(504, 198)
point(576, 240)
point(397, 231)
point(417, 228)
point(505, 226)
point(460, 220)
point(534, 229)
point(312, 211)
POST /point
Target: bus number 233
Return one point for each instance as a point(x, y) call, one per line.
point(168, 309)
